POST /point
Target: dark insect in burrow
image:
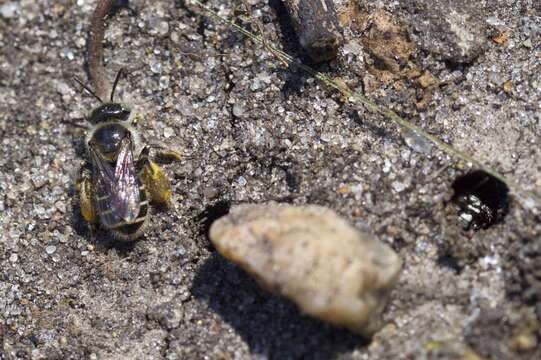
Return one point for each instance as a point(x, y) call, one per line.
point(482, 200)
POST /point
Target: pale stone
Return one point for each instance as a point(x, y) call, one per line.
point(310, 255)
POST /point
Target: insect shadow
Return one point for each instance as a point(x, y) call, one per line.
point(270, 325)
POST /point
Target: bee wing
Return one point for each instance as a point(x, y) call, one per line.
point(117, 190)
point(127, 199)
point(105, 188)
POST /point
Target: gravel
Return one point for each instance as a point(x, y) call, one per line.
point(289, 138)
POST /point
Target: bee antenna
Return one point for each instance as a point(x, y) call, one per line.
point(118, 74)
point(87, 89)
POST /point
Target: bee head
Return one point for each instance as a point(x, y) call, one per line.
point(108, 112)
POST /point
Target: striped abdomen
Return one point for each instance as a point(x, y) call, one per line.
point(123, 230)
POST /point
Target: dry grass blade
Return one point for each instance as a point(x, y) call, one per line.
point(355, 97)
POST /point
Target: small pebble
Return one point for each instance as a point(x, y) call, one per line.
point(164, 82)
point(9, 9)
point(241, 181)
point(255, 85)
point(399, 186)
point(14, 258)
point(418, 143)
point(168, 132)
point(238, 110)
point(50, 249)
point(156, 67)
point(210, 193)
point(38, 181)
point(162, 28)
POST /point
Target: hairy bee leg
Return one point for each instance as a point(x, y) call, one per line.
point(166, 156)
point(84, 189)
point(156, 183)
point(163, 155)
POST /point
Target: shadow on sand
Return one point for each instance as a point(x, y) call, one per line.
point(270, 325)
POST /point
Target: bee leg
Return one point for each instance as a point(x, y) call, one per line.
point(167, 156)
point(155, 180)
point(163, 155)
point(84, 189)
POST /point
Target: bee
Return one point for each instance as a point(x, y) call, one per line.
point(474, 213)
point(481, 200)
point(120, 181)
